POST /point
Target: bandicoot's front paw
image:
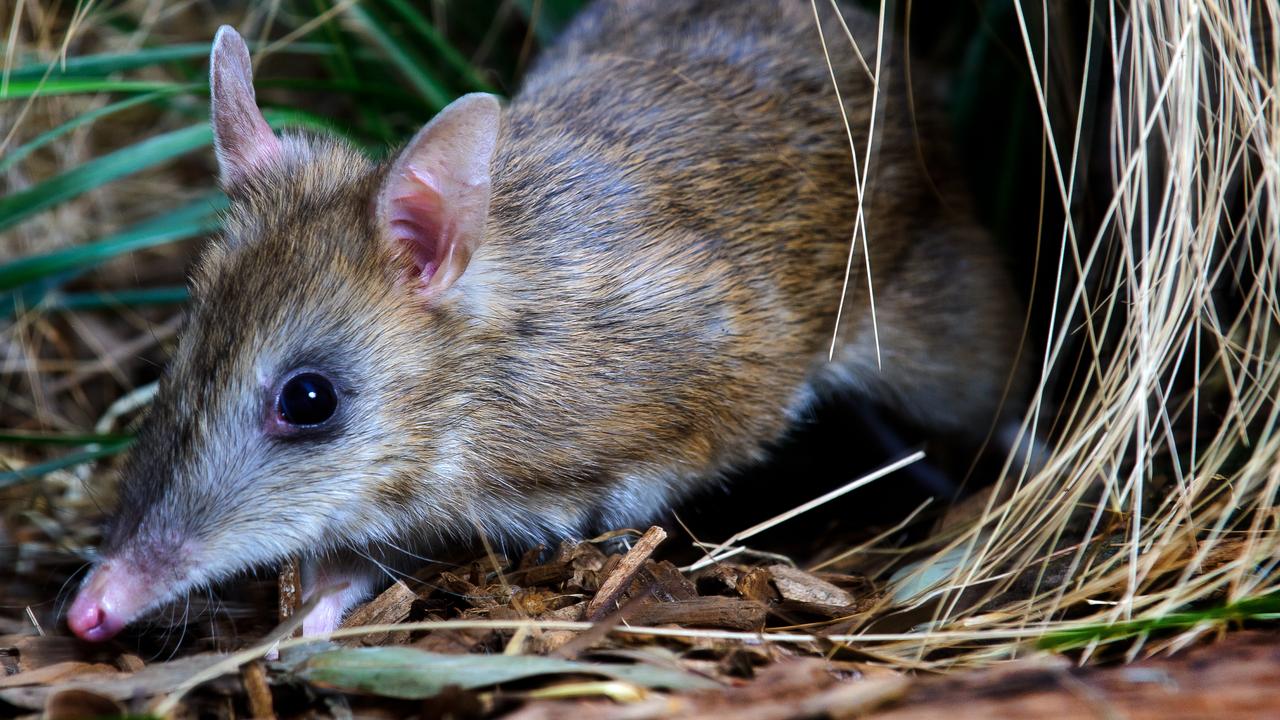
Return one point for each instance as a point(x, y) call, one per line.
point(324, 618)
point(338, 590)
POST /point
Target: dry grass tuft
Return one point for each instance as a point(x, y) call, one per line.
point(1161, 491)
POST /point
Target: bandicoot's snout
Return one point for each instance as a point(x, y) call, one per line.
point(111, 597)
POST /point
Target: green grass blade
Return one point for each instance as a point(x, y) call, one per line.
point(354, 88)
point(414, 674)
point(97, 172)
point(195, 219)
point(107, 63)
point(90, 85)
point(342, 65)
point(1263, 607)
point(150, 152)
point(454, 59)
point(29, 296)
point(16, 155)
point(32, 472)
point(77, 86)
point(175, 295)
point(549, 17)
point(405, 60)
point(23, 437)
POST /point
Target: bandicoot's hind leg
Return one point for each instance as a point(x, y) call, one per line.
point(948, 325)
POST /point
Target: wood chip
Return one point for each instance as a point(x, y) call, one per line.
point(582, 555)
point(392, 606)
point(155, 679)
point(806, 592)
point(708, 612)
point(618, 581)
point(531, 557)
point(130, 663)
point(545, 642)
point(465, 589)
point(756, 584)
point(587, 565)
point(669, 583)
point(536, 602)
point(718, 579)
point(549, 642)
point(855, 698)
point(548, 574)
point(607, 570)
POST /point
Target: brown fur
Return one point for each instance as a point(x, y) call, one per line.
point(652, 304)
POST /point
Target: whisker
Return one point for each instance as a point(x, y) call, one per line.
point(62, 596)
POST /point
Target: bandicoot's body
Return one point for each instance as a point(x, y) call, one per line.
point(568, 313)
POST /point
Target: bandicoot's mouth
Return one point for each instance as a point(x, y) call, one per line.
point(112, 596)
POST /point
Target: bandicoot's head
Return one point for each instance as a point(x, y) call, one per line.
point(307, 405)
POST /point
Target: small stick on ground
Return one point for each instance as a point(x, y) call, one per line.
point(620, 579)
point(290, 592)
point(258, 691)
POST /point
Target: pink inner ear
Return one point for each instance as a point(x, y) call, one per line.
point(415, 223)
point(435, 200)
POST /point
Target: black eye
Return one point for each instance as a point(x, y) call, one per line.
point(307, 399)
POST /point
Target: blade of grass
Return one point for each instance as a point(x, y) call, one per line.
point(292, 118)
point(394, 96)
point(441, 45)
point(97, 172)
point(342, 65)
point(33, 472)
point(38, 438)
point(1264, 607)
point(74, 86)
point(29, 295)
point(107, 63)
point(405, 60)
point(549, 17)
point(17, 154)
point(91, 85)
point(197, 218)
point(129, 160)
point(117, 298)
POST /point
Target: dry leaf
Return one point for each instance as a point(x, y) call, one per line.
point(57, 672)
point(77, 704)
point(152, 680)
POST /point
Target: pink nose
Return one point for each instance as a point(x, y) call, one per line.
point(91, 622)
point(104, 605)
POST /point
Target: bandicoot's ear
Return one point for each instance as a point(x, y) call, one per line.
point(434, 202)
point(243, 140)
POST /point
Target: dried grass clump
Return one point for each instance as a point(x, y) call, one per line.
point(1161, 491)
